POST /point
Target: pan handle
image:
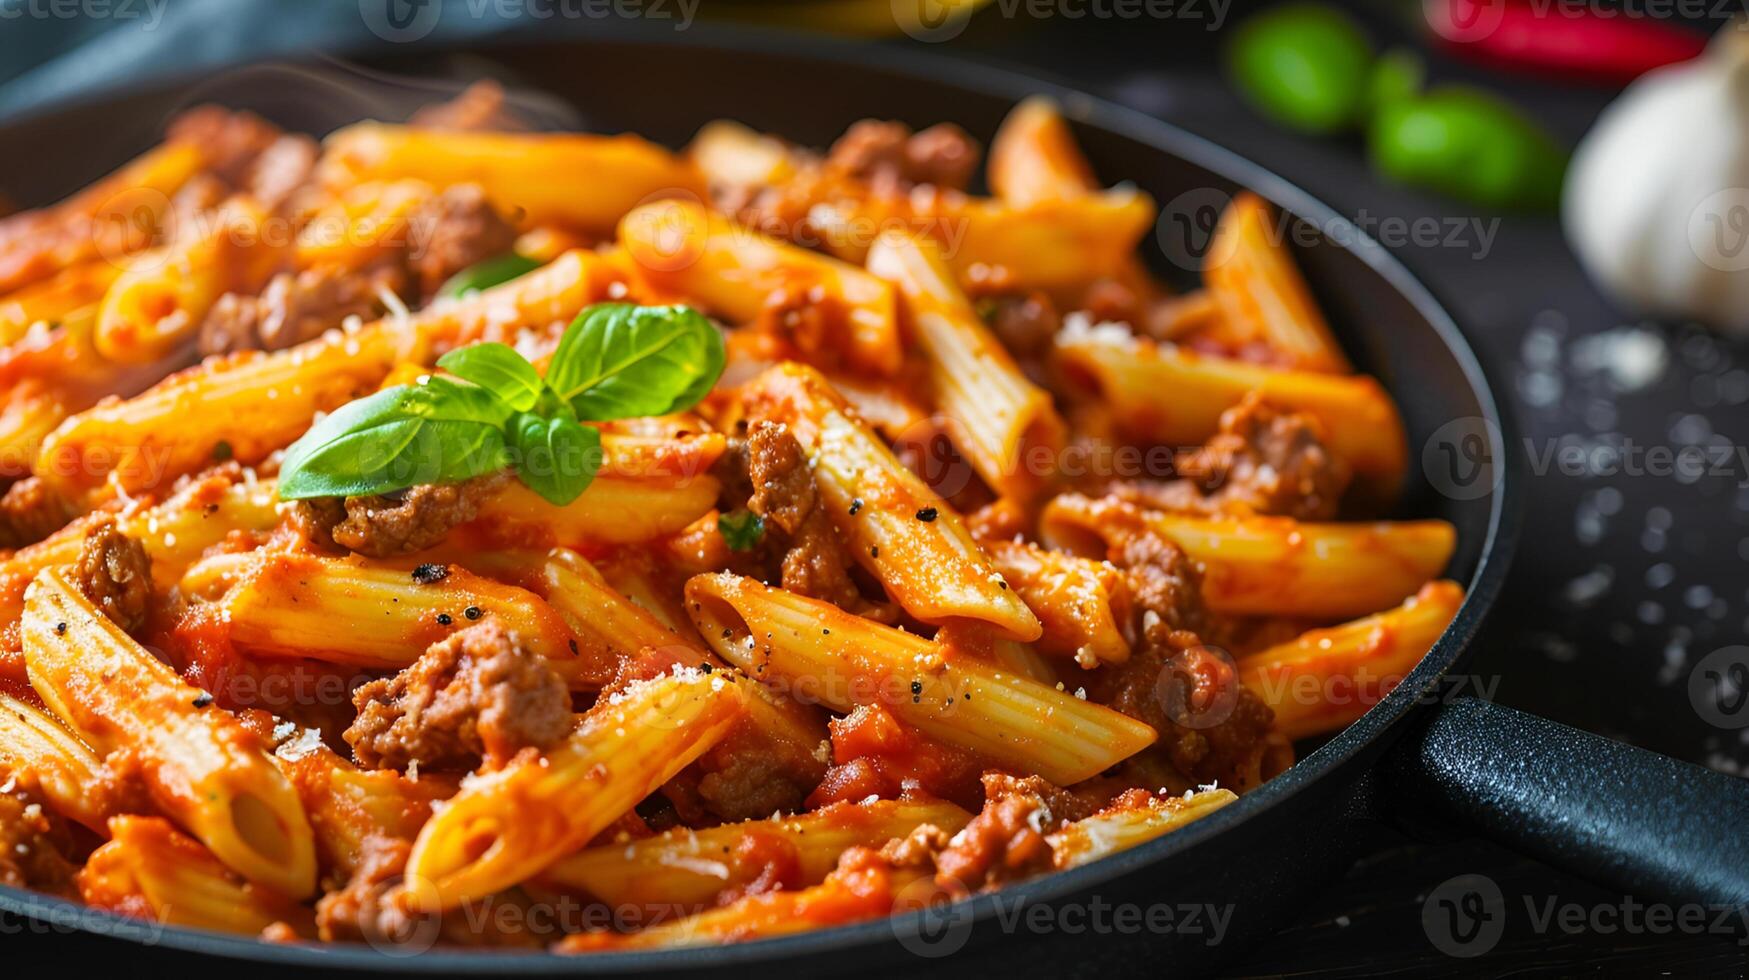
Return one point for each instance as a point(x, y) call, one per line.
point(1627, 818)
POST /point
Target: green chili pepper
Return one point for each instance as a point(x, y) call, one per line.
point(1470, 145)
point(1305, 65)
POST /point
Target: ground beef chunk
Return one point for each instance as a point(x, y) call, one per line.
point(294, 308)
point(479, 108)
point(1007, 839)
point(115, 574)
point(1061, 805)
point(31, 510)
point(385, 525)
point(454, 230)
point(479, 693)
point(1164, 585)
point(1003, 843)
point(1261, 461)
point(784, 495)
point(231, 141)
point(1026, 324)
point(281, 169)
point(890, 157)
point(754, 773)
point(364, 910)
point(34, 845)
point(1212, 728)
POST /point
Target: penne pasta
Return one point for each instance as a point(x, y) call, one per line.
point(1272, 566)
point(69, 291)
point(201, 767)
point(1165, 394)
point(121, 213)
point(350, 807)
point(1326, 678)
point(823, 654)
point(36, 749)
point(174, 533)
point(867, 890)
point(1000, 420)
point(509, 824)
point(1034, 157)
point(1120, 827)
point(158, 302)
point(742, 275)
point(729, 154)
point(690, 868)
point(251, 404)
point(821, 565)
point(1079, 602)
point(1261, 295)
point(287, 606)
point(149, 869)
point(523, 173)
point(895, 526)
point(606, 623)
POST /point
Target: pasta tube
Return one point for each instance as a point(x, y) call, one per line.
point(1326, 678)
point(736, 272)
point(1273, 566)
point(1119, 827)
point(202, 768)
point(287, 605)
point(149, 867)
point(522, 173)
point(1000, 420)
point(896, 527)
point(1261, 295)
point(1165, 394)
point(510, 824)
point(37, 749)
point(691, 867)
point(825, 655)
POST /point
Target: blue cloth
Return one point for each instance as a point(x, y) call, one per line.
point(56, 50)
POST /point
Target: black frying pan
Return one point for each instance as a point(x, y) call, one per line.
point(1422, 757)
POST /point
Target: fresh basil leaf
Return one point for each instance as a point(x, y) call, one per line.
point(500, 370)
point(618, 360)
point(555, 457)
point(484, 275)
point(741, 530)
point(437, 432)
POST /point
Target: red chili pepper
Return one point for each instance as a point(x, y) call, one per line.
point(1566, 38)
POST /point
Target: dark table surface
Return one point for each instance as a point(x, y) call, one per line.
point(1627, 578)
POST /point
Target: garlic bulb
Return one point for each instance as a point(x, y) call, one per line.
point(1657, 197)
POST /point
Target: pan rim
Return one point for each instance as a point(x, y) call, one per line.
point(990, 78)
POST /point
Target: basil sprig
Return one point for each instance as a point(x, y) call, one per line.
point(486, 274)
point(615, 361)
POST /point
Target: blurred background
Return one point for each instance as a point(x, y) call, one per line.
point(1601, 288)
